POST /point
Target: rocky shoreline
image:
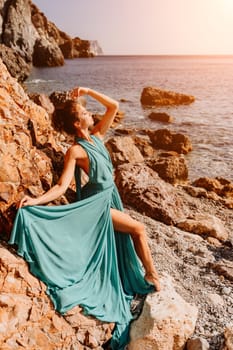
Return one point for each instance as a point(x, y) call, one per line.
point(189, 226)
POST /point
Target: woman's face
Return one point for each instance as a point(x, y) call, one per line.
point(85, 117)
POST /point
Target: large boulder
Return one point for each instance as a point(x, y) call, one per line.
point(123, 150)
point(142, 188)
point(220, 186)
point(170, 141)
point(166, 321)
point(170, 166)
point(47, 54)
point(205, 225)
point(153, 96)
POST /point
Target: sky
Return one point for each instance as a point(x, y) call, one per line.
point(147, 27)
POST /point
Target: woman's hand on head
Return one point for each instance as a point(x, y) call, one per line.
point(78, 91)
point(25, 201)
point(82, 91)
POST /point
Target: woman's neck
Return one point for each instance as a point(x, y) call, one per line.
point(84, 134)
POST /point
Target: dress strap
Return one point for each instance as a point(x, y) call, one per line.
point(78, 182)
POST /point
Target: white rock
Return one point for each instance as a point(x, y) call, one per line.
point(216, 299)
point(166, 322)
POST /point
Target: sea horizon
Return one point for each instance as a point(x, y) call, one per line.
point(162, 55)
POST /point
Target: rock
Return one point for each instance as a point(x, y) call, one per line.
point(215, 299)
point(28, 316)
point(161, 117)
point(224, 268)
point(70, 47)
point(144, 146)
point(81, 48)
point(208, 184)
point(165, 139)
point(197, 344)
point(124, 131)
point(123, 150)
point(214, 241)
point(95, 48)
point(142, 188)
point(228, 335)
point(15, 64)
point(172, 169)
point(227, 203)
point(43, 101)
point(153, 96)
point(166, 321)
point(25, 131)
point(205, 225)
point(19, 32)
point(47, 54)
point(219, 186)
point(195, 191)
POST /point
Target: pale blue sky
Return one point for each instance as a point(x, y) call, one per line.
point(147, 26)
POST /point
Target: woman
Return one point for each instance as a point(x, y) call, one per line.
point(86, 246)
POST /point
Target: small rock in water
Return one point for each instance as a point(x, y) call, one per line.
point(161, 117)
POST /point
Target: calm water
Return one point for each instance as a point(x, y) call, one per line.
point(208, 121)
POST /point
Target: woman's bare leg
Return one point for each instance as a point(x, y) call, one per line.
point(125, 224)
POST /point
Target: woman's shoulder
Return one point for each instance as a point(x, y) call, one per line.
point(75, 151)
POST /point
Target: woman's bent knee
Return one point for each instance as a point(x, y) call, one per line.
point(138, 230)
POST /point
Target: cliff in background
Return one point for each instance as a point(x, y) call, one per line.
point(28, 38)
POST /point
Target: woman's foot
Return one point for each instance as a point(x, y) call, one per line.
point(153, 278)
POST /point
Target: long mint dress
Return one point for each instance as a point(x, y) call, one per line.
point(75, 251)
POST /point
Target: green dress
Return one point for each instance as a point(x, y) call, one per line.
point(75, 251)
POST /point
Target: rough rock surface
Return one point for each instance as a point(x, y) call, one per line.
point(15, 63)
point(123, 150)
point(47, 54)
point(142, 188)
point(222, 187)
point(19, 32)
point(25, 133)
point(206, 225)
point(165, 139)
point(153, 96)
point(171, 167)
point(166, 322)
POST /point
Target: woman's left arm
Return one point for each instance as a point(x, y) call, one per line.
point(111, 110)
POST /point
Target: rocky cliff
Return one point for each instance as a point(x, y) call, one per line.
point(28, 38)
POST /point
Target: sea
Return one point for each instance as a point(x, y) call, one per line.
point(208, 121)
